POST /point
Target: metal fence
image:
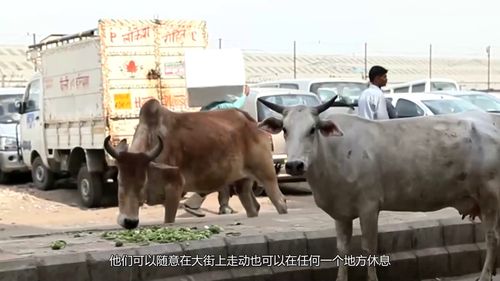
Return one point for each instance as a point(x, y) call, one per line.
point(473, 67)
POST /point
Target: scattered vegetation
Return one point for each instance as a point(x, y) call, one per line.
point(156, 234)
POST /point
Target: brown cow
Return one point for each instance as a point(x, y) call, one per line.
point(193, 152)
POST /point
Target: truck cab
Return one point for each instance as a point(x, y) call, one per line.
point(32, 139)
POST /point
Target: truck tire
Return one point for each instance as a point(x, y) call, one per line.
point(5, 177)
point(42, 176)
point(90, 187)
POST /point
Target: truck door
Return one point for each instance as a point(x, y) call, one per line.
point(32, 137)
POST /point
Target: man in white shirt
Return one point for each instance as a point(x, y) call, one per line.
point(372, 104)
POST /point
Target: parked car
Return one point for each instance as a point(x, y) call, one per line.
point(286, 97)
point(10, 160)
point(485, 101)
point(427, 104)
point(423, 85)
point(348, 90)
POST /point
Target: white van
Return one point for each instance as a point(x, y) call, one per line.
point(10, 160)
point(348, 89)
point(423, 86)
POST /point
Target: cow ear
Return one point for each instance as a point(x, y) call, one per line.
point(271, 125)
point(162, 166)
point(329, 128)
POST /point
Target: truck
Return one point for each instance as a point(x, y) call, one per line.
point(92, 84)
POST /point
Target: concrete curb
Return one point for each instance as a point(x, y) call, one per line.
point(419, 250)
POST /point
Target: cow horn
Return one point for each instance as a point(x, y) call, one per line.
point(153, 153)
point(109, 149)
point(273, 106)
point(322, 107)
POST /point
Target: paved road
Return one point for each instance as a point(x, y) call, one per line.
point(468, 277)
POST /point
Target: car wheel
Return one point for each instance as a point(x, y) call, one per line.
point(42, 176)
point(90, 187)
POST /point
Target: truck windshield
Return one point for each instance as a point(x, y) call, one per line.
point(285, 100)
point(8, 110)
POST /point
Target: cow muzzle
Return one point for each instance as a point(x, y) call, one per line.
point(130, 223)
point(295, 168)
point(127, 223)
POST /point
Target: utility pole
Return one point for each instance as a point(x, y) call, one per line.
point(220, 43)
point(294, 59)
point(488, 49)
point(34, 43)
point(366, 60)
point(430, 61)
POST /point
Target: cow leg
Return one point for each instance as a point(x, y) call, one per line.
point(489, 217)
point(265, 174)
point(247, 198)
point(344, 235)
point(224, 196)
point(369, 230)
point(173, 195)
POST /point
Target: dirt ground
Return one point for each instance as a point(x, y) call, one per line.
point(23, 207)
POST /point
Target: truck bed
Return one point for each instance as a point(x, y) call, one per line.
point(95, 87)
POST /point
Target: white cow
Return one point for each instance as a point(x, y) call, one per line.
point(358, 167)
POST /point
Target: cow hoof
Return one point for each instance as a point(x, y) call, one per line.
point(226, 210)
point(195, 212)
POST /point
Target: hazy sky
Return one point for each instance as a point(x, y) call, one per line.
point(389, 26)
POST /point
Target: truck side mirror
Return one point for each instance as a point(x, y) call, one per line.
point(20, 105)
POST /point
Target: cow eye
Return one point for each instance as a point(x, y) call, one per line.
point(311, 132)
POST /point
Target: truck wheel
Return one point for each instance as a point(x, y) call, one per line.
point(110, 195)
point(42, 177)
point(89, 187)
point(4, 177)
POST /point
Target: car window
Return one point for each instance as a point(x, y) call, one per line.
point(446, 106)
point(289, 86)
point(264, 112)
point(484, 102)
point(402, 90)
point(443, 86)
point(33, 97)
point(268, 85)
point(406, 108)
point(418, 88)
point(347, 92)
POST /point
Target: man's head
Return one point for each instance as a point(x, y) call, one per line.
point(132, 175)
point(301, 125)
point(378, 76)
